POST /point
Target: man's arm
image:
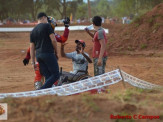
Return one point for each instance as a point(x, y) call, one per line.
point(87, 57)
point(91, 34)
point(28, 56)
point(66, 32)
point(54, 43)
point(64, 37)
point(32, 53)
point(62, 50)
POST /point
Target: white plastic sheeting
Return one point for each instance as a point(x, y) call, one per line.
point(28, 29)
point(96, 82)
point(73, 88)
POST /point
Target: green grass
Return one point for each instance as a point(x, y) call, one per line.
point(111, 39)
point(89, 101)
point(156, 26)
point(137, 20)
point(143, 46)
point(136, 25)
point(129, 48)
point(151, 20)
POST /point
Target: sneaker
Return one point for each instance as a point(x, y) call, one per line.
point(38, 85)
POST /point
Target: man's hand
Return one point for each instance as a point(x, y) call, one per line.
point(86, 29)
point(81, 50)
point(66, 22)
point(99, 63)
point(25, 61)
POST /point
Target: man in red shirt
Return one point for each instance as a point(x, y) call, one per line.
point(99, 40)
point(59, 38)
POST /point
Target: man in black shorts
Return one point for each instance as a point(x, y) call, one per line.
point(43, 41)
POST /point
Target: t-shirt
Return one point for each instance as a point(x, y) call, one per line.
point(78, 60)
point(40, 37)
point(100, 34)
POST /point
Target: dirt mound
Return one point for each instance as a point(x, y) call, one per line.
point(85, 107)
point(144, 33)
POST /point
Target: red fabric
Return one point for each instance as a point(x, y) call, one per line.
point(95, 91)
point(55, 83)
point(38, 75)
point(66, 32)
point(97, 46)
point(28, 54)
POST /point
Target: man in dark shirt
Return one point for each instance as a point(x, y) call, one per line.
point(43, 42)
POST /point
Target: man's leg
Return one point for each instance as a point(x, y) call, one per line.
point(104, 63)
point(43, 68)
point(95, 66)
point(98, 70)
point(52, 66)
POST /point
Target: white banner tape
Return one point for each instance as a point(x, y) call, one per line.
point(138, 82)
point(86, 85)
point(73, 88)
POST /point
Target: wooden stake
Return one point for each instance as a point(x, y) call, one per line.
point(122, 78)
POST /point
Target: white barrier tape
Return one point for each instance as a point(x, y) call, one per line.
point(73, 88)
point(86, 85)
point(138, 82)
point(28, 29)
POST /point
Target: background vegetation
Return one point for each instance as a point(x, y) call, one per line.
point(28, 9)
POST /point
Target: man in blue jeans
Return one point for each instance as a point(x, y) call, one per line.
point(43, 42)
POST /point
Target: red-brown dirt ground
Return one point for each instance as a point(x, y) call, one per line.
point(130, 47)
point(144, 33)
point(15, 77)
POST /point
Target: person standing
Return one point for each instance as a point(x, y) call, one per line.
point(99, 40)
point(38, 81)
point(43, 42)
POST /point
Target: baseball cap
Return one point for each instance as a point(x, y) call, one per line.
point(81, 41)
point(41, 14)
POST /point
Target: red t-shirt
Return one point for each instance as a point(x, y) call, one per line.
point(100, 34)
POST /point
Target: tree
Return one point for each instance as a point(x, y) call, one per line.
point(35, 6)
point(89, 9)
point(103, 8)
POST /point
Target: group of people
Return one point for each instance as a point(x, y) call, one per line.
point(43, 51)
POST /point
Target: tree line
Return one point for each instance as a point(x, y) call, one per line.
point(28, 9)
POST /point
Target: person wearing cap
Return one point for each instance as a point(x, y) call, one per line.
point(60, 38)
point(80, 58)
point(43, 45)
point(99, 40)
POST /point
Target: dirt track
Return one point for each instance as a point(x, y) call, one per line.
point(15, 77)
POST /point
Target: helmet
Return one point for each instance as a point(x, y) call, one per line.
point(52, 21)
